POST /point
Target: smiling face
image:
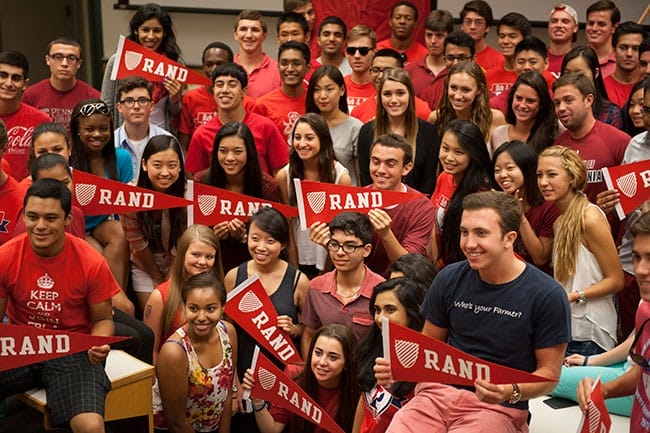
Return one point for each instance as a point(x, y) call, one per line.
point(94, 132)
point(387, 167)
point(461, 91)
point(525, 104)
point(529, 60)
point(12, 82)
point(263, 248)
point(641, 264)
point(507, 39)
point(250, 35)
point(327, 94)
point(151, 34)
point(579, 64)
point(635, 108)
point(290, 31)
point(553, 180)
point(203, 310)
point(45, 223)
point(482, 241)
point(387, 305)
point(228, 93)
point(327, 361)
point(453, 156)
point(571, 107)
point(292, 67)
point(561, 27)
point(394, 98)
point(599, 29)
point(163, 169)
point(305, 141)
point(232, 155)
point(507, 173)
point(199, 258)
point(330, 39)
point(51, 142)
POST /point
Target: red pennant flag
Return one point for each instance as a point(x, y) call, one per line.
point(274, 386)
point(596, 419)
point(318, 201)
point(251, 308)
point(415, 357)
point(98, 196)
point(134, 59)
point(214, 205)
point(632, 181)
point(22, 345)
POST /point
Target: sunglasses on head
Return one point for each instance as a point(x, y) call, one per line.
point(92, 108)
point(637, 358)
point(362, 50)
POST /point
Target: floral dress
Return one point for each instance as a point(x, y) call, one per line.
point(207, 388)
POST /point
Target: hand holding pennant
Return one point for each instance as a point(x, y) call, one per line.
point(274, 386)
point(251, 308)
point(23, 345)
point(134, 59)
point(98, 196)
point(632, 181)
point(415, 357)
point(596, 419)
point(319, 201)
point(214, 205)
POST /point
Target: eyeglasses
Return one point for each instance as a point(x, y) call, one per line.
point(378, 70)
point(362, 50)
point(58, 57)
point(334, 247)
point(478, 22)
point(637, 358)
point(92, 108)
point(645, 109)
point(461, 58)
point(130, 102)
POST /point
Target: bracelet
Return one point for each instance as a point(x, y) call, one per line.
point(260, 408)
point(584, 362)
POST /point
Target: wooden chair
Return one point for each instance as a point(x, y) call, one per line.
point(130, 394)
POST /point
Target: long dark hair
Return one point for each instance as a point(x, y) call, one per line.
point(335, 75)
point(54, 128)
point(526, 159)
point(81, 161)
point(271, 221)
point(326, 156)
point(348, 387)
point(148, 11)
point(601, 100)
point(545, 128)
point(477, 177)
point(628, 125)
point(253, 178)
point(146, 219)
point(410, 295)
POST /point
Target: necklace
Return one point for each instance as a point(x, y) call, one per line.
point(338, 292)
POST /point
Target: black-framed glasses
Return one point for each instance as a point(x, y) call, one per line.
point(645, 109)
point(362, 50)
point(335, 246)
point(637, 358)
point(378, 70)
point(130, 102)
point(92, 108)
point(461, 58)
point(58, 57)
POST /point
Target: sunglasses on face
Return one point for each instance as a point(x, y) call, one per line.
point(637, 358)
point(362, 50)
point(92, 108)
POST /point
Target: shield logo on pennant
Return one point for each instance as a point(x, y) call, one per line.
point(249, 303)
point(316, 201)
point(132, 59)
point(85, 193)
point(627, 184)
point(407, 352)
point(207, 203)
point(594, 418)
point(267, 379)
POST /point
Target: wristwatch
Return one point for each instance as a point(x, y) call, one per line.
point(581, 297)
point(516, 394)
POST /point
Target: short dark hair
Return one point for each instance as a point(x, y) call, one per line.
point(389, 52)
point(532, 43)
point(273, 222)
point(64, 41)
point(407, 4)
point(481, 7)
point(460, 39)
point(202, 281)
point(134, 82)
point(333, 19)
point(506, 205)
point(352, 223)
point(17, 59)
point(47, 161)
point(252, 15)
point(628, 28)
point(50, 188)
point(645, 46)
point(291, 5)
point(231, 70)
point(439, 20)
point(395, 141)
point(293, 17)
point(516, 21)
point(218, 45)
point(606, 5)
point(298, 46)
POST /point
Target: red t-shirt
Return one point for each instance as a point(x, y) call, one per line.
point(500, 101)
point(440, 198)
point(638, 418)
point(413, 53)
point(617, 92)
point(488, 58)
point(499, 80)
point(555, 64)
point(58, 105)
point(283, 110)
point(11, 202)
point(368, 110)
point(272, 149)
point(357, 94)
point(44, 293)
point(327, 398)
point(20, 126)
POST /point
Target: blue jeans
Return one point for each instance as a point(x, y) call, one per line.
point(585, 348)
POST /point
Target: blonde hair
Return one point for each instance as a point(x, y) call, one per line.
point(363, 31)
point(178, 275)
point(398, 75)
point(571, 225)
